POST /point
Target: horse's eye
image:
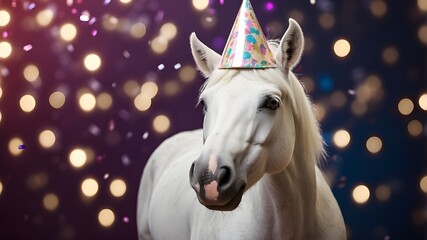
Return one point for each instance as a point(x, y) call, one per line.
point(203, 104)
point(271, 103)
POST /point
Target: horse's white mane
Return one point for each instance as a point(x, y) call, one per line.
point(309, 143)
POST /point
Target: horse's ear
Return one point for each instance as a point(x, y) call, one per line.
point(290, 48)
point(207, 60)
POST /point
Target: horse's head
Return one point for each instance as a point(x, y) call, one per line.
point(249, 126)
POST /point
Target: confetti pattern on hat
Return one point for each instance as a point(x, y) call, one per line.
point(247, 46)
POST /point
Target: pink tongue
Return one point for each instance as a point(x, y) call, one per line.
point(211, 191)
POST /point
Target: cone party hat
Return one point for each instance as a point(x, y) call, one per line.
point(247, 46)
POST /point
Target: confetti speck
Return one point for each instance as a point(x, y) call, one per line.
point(351, 92)
point(70, 48)
point(92, 21)
point(22, 147)
point(94, 32)
point(145, 135)
point(29, 6)
point(126, 54)
point(125, 219)
point(106, 176)
point(111, 125)
point(129, 134)
point(126, 160)
point(177, 66)
point(161, 67)
point(94, 130)
point(85, 16)
point(27, 47)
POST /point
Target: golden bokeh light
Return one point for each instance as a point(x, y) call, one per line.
point(361, 194)
point(341, 138)
point(4, 18)
point(37, 180)
point(89, 187)
point(47, 138)
point(342, 48)
point(422, 34)
point(27, 103)
point(378, 8)
point(118, 187)
point(92, 62)
point(45, 17)
point(50, 201)
point(5, 49)
point(187, 74)
point(390, 55)
point(171, 88)
point(0, 117)
point(415, 128)
point(131, 88)
point(68, 32)
point(423, 184)
point(326, 20)
point(297, 15)
point(1, 187)
point(383, 193)
point(422, 5)
point(168, 30)
point(57, 99)
point(338, 99)
point(31, 73)
point(77, 158)
point(405, 106)
point(149, 89)
point(125, 1)
point(138, 30)
point(87, 102)
point(142, 103)
point(106, 217)
point(358, 108)
point(104, 101)
point(161, 123)
point(374, 144)
point(14, 144)
point(110, 23)
point(159, 44)
point(200, 5)
point(422, 101)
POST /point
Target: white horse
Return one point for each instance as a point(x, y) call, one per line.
point(253, 168)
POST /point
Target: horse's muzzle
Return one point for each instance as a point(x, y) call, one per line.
point(216, 184)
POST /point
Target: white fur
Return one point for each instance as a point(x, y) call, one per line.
point(286, 196)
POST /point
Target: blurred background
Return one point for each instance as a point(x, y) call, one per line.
point(88, 90)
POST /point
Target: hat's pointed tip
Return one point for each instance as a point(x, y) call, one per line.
point(247, 46)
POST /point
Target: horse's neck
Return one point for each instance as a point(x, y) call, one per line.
point(291, 197)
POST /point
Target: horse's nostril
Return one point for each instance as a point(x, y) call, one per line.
point(224, 176)
point(192, 178)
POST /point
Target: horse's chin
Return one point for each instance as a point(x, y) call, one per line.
point(232, 204)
